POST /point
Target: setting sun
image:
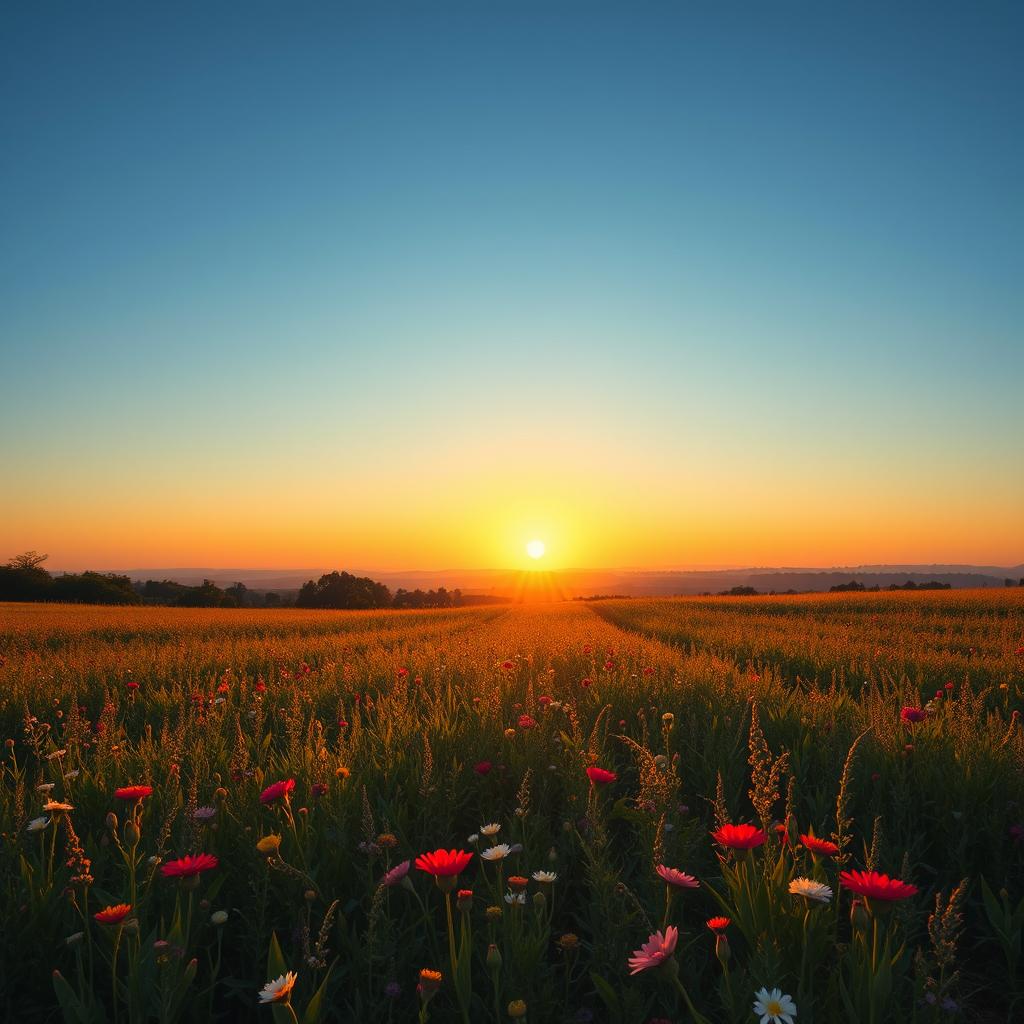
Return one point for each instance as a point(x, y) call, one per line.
point(535, 549)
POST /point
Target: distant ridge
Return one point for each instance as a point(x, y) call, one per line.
point(630, 582)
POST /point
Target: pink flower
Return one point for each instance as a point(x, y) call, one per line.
point(526, 722)
point(655, 951)
point(912, 715)
point(677, 879)
point(482, 767)
point(396, 874)
point(277, 791)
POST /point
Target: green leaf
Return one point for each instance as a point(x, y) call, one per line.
point(71, 1006)
point(608, 996)
point(314, 1006)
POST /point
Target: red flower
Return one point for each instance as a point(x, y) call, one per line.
point(526, 722)
point(482, 767)
point(739, 837)
point(403, 672)
point(132, 685)
point(600, 776)
point(912, 715)
point(875, 886)
point(277, 791)
point(586, 683)
point(507, 665)
point(719, 924)
point(261, 687)
point(318, 788)
point(648, 671)
point(113, 915)
point(189, 866)
point(544, 701)
point(819, 847)
point(133, 792)
point(444, 863)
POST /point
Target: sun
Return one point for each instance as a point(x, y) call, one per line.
point(535, 549)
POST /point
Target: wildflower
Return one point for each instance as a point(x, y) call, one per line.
point(136, 793)
point(444, 864)
point(277, 791)
point(508, 665)
point(44, 787)
point(873, 885)
point(56, 807)
point(279, 990)
point(819, 847)
point(482, 767)
point(464, 899)
point(515, 898)
point(517, 883)
point(498, 852)
point(569, 942)
point(113, 915)
point(269, 845)
point(517, 1008)
point(526, 722)
point(545, 877)
point(677, 879)
point(774, 1007)
point(342, 772)
point(586, 683)
point(387, 840)
point(810, 890)
point(189, 866)
point(37, 824)
point(490, 830)
point(493, 913)
point(132, 685)
point(739, 837)
point(719, 924)
point(218, 917)
point(429, 983)
point(911, 716)
point(655, 951)
point(318, 789)
point(74, 939)
point(204, 814)
point(600, 776)
point(396, 874)
point(510, 734)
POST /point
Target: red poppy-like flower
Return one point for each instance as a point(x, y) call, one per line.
point(526, 722)
point(875, 886)
point(600, 776)
point(739, 837)
point(913, 715)
point(648, 671)
point(318, 788)
point(260, 687)
point(277, 791)
point(133, 792)
point(482, 767)
point(403, 672)
point(819, 847)
point(719, 924)
point(506, 665)
point(224, 688)
point(544, 700)
point(586, 683)
point(113, 915)
point(189, 866)
point(444, 863)
point(132, 685)
point(677, 879)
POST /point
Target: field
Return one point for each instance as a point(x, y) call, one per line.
point(598, 741)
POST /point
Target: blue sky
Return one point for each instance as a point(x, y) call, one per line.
point(665, 242)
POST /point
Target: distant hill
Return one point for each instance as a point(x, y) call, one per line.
point(570, 583)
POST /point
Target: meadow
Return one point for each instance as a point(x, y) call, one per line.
point(623, 811)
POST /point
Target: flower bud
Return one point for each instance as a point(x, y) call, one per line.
point(517, 1009)
point(131, 833)
point(218, 917)
point(493, 957)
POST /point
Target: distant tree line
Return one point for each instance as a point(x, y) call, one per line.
point(853, 585)
point(23, 578)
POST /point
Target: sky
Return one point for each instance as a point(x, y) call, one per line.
point(408, 286)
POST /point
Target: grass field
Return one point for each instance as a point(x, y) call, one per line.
point(406, 732)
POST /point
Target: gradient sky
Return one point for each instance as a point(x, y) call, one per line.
point(403, 287)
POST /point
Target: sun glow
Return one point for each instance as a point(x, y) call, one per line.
point(535, 549)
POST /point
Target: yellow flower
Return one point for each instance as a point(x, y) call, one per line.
point(269, 845)
point(517, 1008)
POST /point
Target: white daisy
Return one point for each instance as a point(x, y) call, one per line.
point(515, 898)
point(817, 892)
point(774, 1007)
point(37, 824)
point(498, 852)
point(545, 877)
point(279, 989)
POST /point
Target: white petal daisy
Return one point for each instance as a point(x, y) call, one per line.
point(809, 889)
point(279, 989)
point(773, 1007)
point(490, 830)
point(497, 852)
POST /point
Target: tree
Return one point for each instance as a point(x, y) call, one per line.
point(343, 590)
point(28, 560)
